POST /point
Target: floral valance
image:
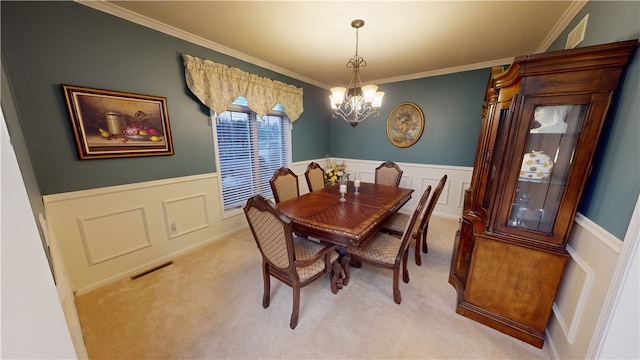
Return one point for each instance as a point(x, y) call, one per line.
point(219, 85)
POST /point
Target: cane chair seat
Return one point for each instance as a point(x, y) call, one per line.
point(306, 249)
point(388, 251)
point(396, 223)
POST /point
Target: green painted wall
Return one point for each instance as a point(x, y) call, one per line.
point(46, 44)
point(452, 107)
point(613, 187)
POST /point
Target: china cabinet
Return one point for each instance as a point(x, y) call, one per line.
point(541, 122)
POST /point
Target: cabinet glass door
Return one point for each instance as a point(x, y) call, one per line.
point(549, 152)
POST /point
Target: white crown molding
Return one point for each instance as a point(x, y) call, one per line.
point(128, 15)
point(445, 71)
point(564, 21)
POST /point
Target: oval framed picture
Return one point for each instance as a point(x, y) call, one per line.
point(405, 124)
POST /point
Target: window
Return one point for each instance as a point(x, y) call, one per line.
point(249, 150)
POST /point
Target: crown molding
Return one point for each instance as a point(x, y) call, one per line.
point(562, 24)
point(136, 18)
point(445, 71)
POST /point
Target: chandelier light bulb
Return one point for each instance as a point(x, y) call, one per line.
point(369, 92)
point(337, 95)
point(377, 101)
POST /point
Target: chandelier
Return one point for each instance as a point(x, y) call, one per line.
point(355, 102)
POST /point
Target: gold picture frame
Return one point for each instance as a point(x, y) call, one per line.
point(111, 124)
point(405, 124)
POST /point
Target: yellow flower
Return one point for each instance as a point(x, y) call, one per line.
point(334, 170)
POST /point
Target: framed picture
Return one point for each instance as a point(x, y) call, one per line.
point(405, 124)
point(110, 124)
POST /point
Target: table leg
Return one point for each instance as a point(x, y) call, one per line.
point(346, 258)
point(336, 276)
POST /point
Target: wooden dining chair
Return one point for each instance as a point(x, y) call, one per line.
point(284, 184)
point(293, 260)
point(396, 223)
point(314, 176)
point(388, 173)
point(388, 251)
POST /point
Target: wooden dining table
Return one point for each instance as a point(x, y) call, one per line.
point(321, 214)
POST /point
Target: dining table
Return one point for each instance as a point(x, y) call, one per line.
point(321, 214)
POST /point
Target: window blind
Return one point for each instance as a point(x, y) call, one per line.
point(250, 149)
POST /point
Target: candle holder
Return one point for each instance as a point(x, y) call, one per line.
point(356, 184)
point(343, 188)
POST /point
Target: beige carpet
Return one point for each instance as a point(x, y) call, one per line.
point(208, 305)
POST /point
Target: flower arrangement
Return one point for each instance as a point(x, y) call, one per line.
point(334, 170)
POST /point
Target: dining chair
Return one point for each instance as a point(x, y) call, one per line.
point(314, 176)
point(388, 173)
point(387, 251)
point(396, 223)
point(293, 260)
point(284, 184)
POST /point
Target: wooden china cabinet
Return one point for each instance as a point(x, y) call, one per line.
point(541, 122)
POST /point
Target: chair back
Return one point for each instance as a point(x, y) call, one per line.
point(419, 224)
point(432, 205)
point(314, 176)
point(284, 185)
point(418, 211)
point(272, 232)
point(388, 173)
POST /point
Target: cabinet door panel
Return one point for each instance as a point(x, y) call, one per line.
point(540, 174)
point(495, 281)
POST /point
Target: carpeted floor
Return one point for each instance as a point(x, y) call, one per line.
point(208, 305)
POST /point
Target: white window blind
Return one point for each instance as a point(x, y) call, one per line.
point(249, 150)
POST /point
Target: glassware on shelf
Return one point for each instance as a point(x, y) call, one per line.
point(519, 210)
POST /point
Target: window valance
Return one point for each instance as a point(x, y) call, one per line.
point(218, 85)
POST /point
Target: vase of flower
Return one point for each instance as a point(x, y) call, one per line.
point(334, 171)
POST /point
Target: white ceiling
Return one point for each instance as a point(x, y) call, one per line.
point(313, 40)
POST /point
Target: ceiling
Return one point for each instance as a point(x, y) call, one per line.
point(313, 40)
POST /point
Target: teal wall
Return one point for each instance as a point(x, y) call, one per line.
point(613, 187)
point(46, 44)
point(452, 107)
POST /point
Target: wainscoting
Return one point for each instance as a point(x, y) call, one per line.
point(594, 255)
point(107, 234)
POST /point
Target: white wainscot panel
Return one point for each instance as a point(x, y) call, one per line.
point(433, 181)
point(111, 235)
point(185, 215)
point(464, 185)
point(574, 289)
